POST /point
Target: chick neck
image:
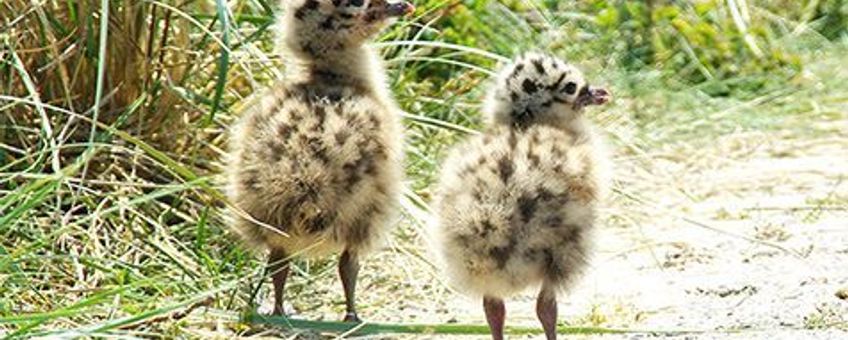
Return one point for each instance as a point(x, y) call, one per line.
point(354, 67)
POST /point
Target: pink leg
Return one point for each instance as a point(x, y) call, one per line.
point(278, 266)
point(348, 271)
point(495, 316)
point(546, 310)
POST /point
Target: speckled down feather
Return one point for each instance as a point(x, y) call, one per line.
point(517, 205)
point(318, 157)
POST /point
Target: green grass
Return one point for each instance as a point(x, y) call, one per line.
point(348, 329)
point(112, 129)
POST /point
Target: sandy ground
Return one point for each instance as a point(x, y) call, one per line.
point(748, 234)
point(743, 238)
point(785, 202)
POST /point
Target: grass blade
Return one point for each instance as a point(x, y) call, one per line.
point(101, 71)
point(364, 329)
point(223, 60)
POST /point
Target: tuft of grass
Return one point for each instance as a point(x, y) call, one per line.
point(825, 316)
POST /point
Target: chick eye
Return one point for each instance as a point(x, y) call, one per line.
point(570, 88)
point(356, 3)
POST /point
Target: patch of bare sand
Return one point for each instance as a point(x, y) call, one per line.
point(749, 233)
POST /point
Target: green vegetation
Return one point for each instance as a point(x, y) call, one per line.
point(442, 329)
point(113, 120)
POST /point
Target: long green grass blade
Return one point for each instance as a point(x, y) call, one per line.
point(364, 329)
point(101, 70)
point(223, 60)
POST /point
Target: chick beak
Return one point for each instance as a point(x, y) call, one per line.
point(600, 96)
point(592, 96)
point(399, 9)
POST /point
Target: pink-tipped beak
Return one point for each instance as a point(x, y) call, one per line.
point(592, 96)
point(400, 9)
point(600, 96)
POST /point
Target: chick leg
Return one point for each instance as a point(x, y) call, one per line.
point(495, 316)
point(348, 271)
point(278, 266)
point(546, 310)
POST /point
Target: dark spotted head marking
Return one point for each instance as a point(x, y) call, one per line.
point(517, 70)
point(557, 83)
point(322, 28)
point(304, 10)
point(539, 88)
point(529, 86)
point(540, 67)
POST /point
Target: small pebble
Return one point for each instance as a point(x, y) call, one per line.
point(842, 294)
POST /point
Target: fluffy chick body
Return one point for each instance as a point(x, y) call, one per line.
point(317, 159)
point(324, 172)
point(517, 204)
point(315, 163)
point(518, 208)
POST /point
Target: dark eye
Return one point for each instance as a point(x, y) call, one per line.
point(357, 3)
point(570, 88)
